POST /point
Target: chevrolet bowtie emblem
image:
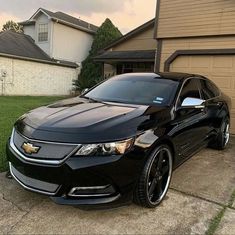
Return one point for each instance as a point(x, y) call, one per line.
point(30, 148)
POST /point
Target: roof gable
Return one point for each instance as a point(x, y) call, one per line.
point(49, 14)
point(65, 19)
point(131, 34)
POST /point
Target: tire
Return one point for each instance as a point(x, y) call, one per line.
point(155, 178)
point(222, 139)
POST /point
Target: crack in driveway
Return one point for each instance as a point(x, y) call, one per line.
point(19, 208)
point(14, 226)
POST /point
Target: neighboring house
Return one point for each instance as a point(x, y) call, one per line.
point(133, 52)
point(198, 37)
point(25, 69)
point(47, 57)
point(61, 36)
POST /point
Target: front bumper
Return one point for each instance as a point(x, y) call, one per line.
point(105, 181)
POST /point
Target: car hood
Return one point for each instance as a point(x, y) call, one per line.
point(81, 120)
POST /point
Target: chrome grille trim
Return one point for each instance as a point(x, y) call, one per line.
point(29, 188)
point(43, 161)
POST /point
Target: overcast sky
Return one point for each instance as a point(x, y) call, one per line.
point(125, 14)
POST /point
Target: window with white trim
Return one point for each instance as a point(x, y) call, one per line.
point(43, 32)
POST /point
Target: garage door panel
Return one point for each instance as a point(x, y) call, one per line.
point(230, 94)
point(233, 106)
point(232, 125)
point(223, 62)
point(197, 62)
point(224, 70)
point(181, 62)
point(202, 71)
point(220, 69)
point(224, 82)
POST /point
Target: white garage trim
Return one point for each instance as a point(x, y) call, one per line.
point(230, 51)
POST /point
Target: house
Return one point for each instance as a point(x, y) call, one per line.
point(133, 52)
point(60, 35)
point(47, 57)
point(198, 37)
point(25, 69)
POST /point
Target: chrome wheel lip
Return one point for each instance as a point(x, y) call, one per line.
point(226, 134)
point(168, 178)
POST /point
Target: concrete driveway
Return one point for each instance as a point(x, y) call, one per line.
point(201, 200)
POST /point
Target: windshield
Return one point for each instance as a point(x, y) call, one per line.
point(135, 90)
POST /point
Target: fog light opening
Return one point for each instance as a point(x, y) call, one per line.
point(94, 191)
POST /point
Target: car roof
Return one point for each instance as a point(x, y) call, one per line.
point(166, 75)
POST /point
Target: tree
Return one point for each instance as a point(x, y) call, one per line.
point(11, 25)
point(91, 72)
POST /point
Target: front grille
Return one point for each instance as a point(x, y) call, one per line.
point(47, 150)
point(33, 184)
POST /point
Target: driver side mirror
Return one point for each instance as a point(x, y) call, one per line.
point(193, 103)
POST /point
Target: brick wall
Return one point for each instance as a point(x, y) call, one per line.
point(19, 77)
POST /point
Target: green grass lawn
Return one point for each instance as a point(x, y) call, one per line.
point(10, 109)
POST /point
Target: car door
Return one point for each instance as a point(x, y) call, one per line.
point(213, 105)
point(191, 124)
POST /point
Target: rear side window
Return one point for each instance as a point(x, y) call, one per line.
point(209, 90)
point(190, 89)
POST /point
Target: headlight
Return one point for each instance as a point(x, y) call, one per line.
point(104, 149)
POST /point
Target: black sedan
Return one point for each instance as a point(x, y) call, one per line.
point(120, 141)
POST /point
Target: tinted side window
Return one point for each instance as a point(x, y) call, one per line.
point(209, 90)
point(190, 89)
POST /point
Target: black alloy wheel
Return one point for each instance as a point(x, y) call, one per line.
point(226, 133)
point(223, 137)
point(155, 179)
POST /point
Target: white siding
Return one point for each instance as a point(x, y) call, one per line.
point(31, 78)
point(30, 30)
point(70, 44)
point(64, 42)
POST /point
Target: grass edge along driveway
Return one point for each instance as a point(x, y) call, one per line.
point(11, 108)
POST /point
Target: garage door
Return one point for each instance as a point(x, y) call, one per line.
point(220, 69)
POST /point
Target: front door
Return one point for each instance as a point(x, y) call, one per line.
point(190, 122)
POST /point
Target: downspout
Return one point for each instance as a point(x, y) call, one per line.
point(158, 55)
point(155, 62)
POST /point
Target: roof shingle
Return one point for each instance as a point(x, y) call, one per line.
point(21, 45)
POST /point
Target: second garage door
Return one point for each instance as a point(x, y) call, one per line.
point(220, 69)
